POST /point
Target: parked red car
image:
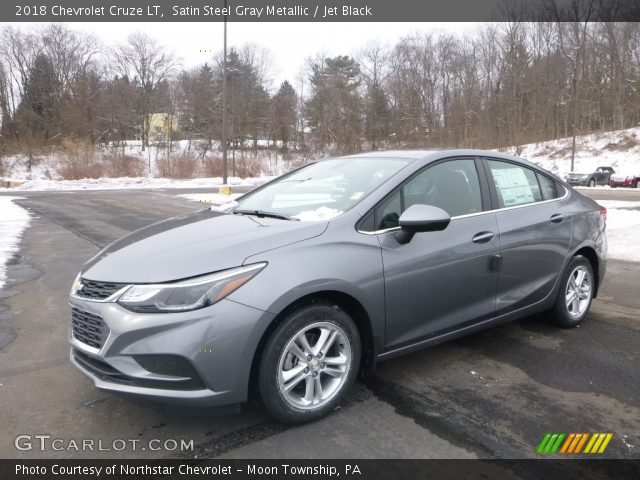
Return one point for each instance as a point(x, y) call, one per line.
point(624, 180)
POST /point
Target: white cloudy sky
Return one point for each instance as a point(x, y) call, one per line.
point(290, 43)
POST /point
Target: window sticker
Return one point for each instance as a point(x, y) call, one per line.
point(513, 185)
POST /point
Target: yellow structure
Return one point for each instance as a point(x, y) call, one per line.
point(161, 125)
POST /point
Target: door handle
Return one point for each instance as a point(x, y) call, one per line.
point(482, 237)
point(557, 218)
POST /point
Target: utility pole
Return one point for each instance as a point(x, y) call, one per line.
point(224, 101)
point(574, 88)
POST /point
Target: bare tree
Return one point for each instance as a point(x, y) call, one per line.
point(148, 64)
point(375, 69)
point(18, 52)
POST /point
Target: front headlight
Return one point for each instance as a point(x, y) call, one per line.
point(189, 294)
point(76, 286)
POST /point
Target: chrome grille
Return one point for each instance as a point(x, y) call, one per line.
point(98, 290)
point(88, 328)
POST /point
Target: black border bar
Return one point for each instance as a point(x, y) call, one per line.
point(578, 469)
point(318, 10)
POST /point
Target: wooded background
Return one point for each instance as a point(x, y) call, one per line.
point(494, 86)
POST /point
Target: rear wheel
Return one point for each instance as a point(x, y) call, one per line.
point(576, 293)
point(309, 363)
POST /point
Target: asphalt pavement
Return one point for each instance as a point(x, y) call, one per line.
point(493, 394)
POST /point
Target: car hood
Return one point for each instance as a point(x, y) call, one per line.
point(191, 245)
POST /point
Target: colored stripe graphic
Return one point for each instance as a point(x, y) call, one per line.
point(591, 442)
point(598, 442)
point(581, 443)
point(573, 443)
point(556, 445)
point(543, 443)
point(576, 439)
point(550, 443)
point(605, 443)
point(567, 443)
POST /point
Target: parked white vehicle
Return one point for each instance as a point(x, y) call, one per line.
point(626, 179)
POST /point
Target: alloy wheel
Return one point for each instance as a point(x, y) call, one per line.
point(314, 365)
point(578, 292)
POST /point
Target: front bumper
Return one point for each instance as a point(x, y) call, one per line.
point(576, 182)
point(623, 183)
point(208, 352)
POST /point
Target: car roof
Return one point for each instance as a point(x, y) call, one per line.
point(436, 154)
point(406, 154)
point(430, 155)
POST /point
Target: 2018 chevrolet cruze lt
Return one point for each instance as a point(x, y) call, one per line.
point(298, 285)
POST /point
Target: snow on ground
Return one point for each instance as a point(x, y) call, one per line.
point(623, 229)
point(213, 198)
point(607, 188)
point(133, 183)
point(13, 221)
point(619, 149)
point(45, 167)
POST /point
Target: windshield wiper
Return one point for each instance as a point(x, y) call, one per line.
point(263, 213)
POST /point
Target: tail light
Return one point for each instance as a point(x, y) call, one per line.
point(603, 213)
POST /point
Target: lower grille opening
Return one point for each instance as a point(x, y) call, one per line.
point(88, 328)
point(107, 373)
point(172, 365)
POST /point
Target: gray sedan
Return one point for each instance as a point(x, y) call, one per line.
point(289, 292)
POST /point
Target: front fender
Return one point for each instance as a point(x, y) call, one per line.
point(351, 266)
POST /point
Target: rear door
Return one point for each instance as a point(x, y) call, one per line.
point(535, 232)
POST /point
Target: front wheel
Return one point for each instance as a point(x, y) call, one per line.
point(592, 182)
point(576, 293)
point(309, 363)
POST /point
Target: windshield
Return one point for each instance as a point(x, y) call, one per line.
point(322, 190)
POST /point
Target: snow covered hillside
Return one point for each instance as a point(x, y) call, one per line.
point(619, 149)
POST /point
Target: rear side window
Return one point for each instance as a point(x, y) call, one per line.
point(547, 187)
point(515, 185)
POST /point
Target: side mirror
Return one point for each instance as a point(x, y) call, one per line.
point(421, 218)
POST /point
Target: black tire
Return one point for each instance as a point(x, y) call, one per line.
point(316, 313)
point(562, 314)
point(592, 182)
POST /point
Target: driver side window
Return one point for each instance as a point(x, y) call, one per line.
point(452, 185)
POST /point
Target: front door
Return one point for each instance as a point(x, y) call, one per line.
point(439, 281)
